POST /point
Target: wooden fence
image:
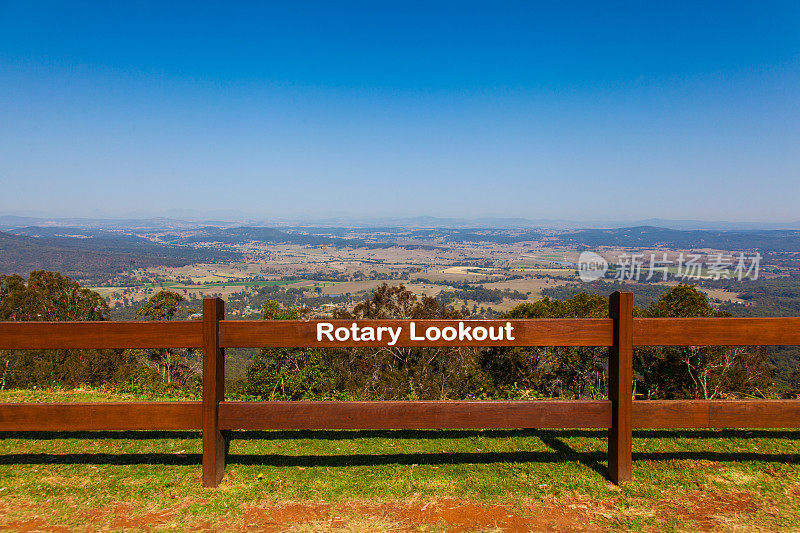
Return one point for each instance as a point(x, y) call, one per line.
point(620, 414)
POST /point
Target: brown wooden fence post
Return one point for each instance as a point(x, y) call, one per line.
point(213, 392)
point(620, 383)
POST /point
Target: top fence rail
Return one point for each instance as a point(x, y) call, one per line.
point(305, 333)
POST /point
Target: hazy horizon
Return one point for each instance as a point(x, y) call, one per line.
point(499, 222)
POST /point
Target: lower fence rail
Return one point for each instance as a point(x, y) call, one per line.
point(415, 414)
point(646, 414)
point(303, 415)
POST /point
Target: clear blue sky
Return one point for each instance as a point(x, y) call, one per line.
point(555, 109)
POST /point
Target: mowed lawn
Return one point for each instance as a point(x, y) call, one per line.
point(491, 480)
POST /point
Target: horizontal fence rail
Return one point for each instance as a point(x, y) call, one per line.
point(122, 416)
point(99, 335)
point(524, 414)
point(783, 331)
point(415, 414)
point(213, 415)
point(311, 333)
point(716, 414)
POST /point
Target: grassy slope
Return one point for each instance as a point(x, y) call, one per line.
point(481, 480)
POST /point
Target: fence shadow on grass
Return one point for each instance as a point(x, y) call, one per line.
point(560, 450)
point(594, 460)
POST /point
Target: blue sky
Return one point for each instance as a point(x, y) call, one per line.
point(567, 110)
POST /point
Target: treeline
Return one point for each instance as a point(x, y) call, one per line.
point(287, 297)
point(50, 296)
point(389, 372)
point(771, 297)
point(392, 373)
point(643, 293)
point(245, 234)
point(762, 297)
point(651, 236)
point(480, 293)
point(766, 297)
point(97, 258)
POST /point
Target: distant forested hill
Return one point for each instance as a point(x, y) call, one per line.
point(643, 293)
point(650, 236)
point(488, 235)
point(243, 235)
point(92, 255)
point(303, 236)
point(765, 297)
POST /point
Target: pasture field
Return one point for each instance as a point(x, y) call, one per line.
point(173, 285)
point(198, 290)
point(534, 286)
point(437, 275)
point(723, 295)
point(500, 307)
point(464, 480)
point(480, 271)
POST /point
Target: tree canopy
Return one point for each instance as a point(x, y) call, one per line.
point(48, 296)
point(388, 372)
point(51, 296)
point(172, 364)
point(161, 306)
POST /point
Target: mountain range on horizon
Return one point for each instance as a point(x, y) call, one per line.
point(154, 223)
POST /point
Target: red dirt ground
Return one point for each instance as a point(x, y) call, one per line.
point(704, 510)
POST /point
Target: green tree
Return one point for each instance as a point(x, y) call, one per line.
point(552, 371)
point(161, 306)
point(50, 296)
point(288, 373)
point(706, 372)
point(669, 372)
point(170, 363)
point(392, 373)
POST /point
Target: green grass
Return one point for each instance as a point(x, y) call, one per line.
point(683, 479)
point(538, 266)
point(89, 395)
point(235, 284)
